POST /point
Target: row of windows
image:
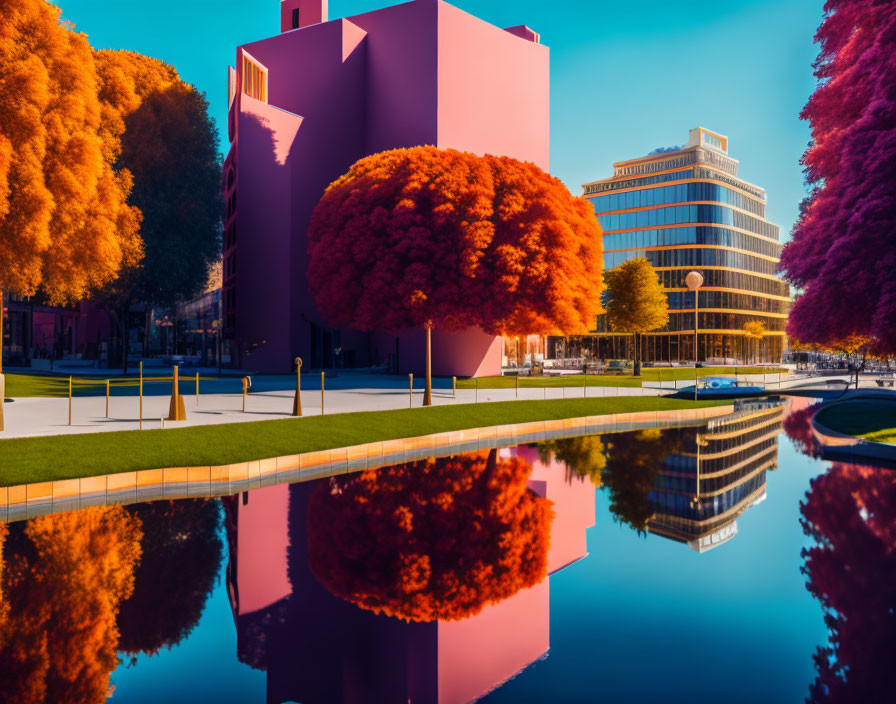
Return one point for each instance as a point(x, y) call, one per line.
point(687, 214)
point(716, 278)
point(714, 175)
point(680, 505)
point(723, 444)
point(635, 182)
point(662, 165)
point(709, 320)
point(720, 464)
point(697, 257)
point(668, 237)
point(254, 80)
point(230, 265)
point(688, 484)
point(745, 424)
point(679, 193)
point(684, 300)
point(230, 236)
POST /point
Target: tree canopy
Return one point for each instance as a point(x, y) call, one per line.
point(636, 300)
point(843, 253)
point(420, 236)
point(65, 224)
point(437, 539)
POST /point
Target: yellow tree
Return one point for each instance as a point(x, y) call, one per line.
point(65, 225)
point(754, 330)
point(636, 301)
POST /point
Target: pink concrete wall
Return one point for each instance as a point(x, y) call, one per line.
point(421, 72)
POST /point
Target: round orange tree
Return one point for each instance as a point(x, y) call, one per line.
point(437, 539)
point(428, 237)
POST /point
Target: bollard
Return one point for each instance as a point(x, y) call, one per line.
point(321, 393)
point(297, 401)
point(197, 389)
point(69, 400)
point(140, 384)
point(477, 390)
point(411, 391)
point(176, 410)
point(517, 383)
point(585, 386)
point(245, 391)
point(454, 387)
point(107, 398)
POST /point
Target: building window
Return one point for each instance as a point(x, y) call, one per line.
point(254, 80)
point(295, 18)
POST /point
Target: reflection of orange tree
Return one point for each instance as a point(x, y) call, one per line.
point(584, 457)
point(65, 576)
point(634, 461)
point(798, 427)
point(429, 540)
point(851, 513)
point(182, 551)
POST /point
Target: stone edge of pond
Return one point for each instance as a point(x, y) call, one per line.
point(840, 446)
point(24, 501)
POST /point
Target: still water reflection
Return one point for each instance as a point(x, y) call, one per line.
point(680, 565)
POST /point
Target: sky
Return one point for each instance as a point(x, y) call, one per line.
point(627, 76)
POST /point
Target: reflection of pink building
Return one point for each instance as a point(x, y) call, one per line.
point(318, 648)
point(308, 103)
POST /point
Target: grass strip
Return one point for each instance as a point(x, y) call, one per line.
point(24, 460)
point(626, 380)
point(864, 418)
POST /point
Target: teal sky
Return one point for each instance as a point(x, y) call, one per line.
point(627, 76)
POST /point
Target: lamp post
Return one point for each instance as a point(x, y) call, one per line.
point(164, 323)
point(694, 281)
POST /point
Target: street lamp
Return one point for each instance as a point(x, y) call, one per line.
point(694, 281)
point(165, 323)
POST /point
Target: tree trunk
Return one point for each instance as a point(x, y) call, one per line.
point(636, 367)
point(427, 395)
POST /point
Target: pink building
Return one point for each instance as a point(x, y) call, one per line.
point(308, 103)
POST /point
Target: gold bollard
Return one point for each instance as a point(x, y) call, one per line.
point(197, 389)
point(69, 400)
point(454, 387)
point(140, 389)
point(321, 393)
point(297, 401)
point(245, 391)
point(107, 398)
point(176, 410)
point(411, 391)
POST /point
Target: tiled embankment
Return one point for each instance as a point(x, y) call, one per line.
point(29, 500)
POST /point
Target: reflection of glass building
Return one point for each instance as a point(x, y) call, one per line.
point(685, 209)
point(717, 475)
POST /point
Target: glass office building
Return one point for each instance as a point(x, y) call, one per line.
point(685, 209)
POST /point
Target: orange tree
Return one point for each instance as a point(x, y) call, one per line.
point(65, 225)
point(636, 301)
point(437, 539)
point(426, 237)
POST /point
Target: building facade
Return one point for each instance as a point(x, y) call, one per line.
point(309, 102)
point(685, 209)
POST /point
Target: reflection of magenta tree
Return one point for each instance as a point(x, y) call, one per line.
point(182, 551)
point(584, 457)
point(634, 461)
point(850, 512)
point(434, 539)
point(798, 427)
point(64, 578)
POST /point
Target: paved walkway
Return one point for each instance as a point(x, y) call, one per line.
point(270, 398)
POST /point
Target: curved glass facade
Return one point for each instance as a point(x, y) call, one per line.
point(699, 218)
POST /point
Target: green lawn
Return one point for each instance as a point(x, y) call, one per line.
point(68, 456)
point(869, 419)
point(20, 385)
point(650, 374)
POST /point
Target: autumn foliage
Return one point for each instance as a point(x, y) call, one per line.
point(437, 539)
point(850, 513)
point(64, 578)
point(65, 224)
point(843, 253)
point(416, 236)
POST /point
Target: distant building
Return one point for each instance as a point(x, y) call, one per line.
point(309, 102)
point(685, 209)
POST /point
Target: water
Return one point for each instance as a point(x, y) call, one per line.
point(581, 570)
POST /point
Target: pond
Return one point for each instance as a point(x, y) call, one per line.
point(716, 563)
